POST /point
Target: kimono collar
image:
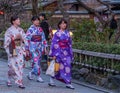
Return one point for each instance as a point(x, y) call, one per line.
point(65, 31)
point(34, 26)
point(15, 27)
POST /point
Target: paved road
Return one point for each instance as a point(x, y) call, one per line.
point(35, 87)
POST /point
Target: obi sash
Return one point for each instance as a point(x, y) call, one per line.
point(63, 44)
point(36, 38)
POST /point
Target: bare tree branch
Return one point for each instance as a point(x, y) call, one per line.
point(95, 12)
point(11, 7)
point(35, 7)
point(106, 4)
point(63, 11)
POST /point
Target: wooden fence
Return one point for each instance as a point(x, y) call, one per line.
point(94, 60)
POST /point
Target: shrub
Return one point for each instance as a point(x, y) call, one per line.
point(85, 31)
point(25, 26)
point(98, 47)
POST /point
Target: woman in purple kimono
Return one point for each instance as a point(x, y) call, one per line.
point(61, 51)
point(36, 46)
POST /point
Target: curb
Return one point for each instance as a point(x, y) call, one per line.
point(98, 88)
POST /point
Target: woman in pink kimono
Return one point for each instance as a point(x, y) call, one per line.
point(14, 46)
point(61, 51)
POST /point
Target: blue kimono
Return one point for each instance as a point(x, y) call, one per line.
point(36, 45)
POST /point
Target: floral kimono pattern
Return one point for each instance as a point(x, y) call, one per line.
point(61, 48)
point(36, 46)
point(15, 63)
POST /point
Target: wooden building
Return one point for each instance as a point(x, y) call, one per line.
point(77, 11)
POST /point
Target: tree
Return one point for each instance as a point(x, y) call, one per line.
point(63, 11)
point(35, 7)
point(11, 7)
point(96, 13)
point(65, 14)
point(60, 7)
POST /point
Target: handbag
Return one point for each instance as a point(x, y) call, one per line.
point(50, 70)
point(27, 56)
point(12, 48)
point(56, 66)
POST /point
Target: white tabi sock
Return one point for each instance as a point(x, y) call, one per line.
point(51, 80)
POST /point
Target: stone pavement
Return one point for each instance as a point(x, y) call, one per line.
point(35, 87)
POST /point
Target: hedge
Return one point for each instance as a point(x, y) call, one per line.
point(98, 47)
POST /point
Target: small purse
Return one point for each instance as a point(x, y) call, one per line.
point(12, 48)
point(28, 57)
point(50, 71)
point(56, 66)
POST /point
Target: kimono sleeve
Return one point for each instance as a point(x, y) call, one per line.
point(44, 42)
point(7, 41)
point(23, 40)
point(28, 38)
point(70, 46)
point(54, 48)
point(23, 36)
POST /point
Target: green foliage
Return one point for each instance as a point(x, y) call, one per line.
point(2, 34)
point(86, 37)
point(86, 31)
point(25, 26)
point(98, 47)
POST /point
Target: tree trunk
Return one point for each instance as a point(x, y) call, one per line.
point(63, 11)
point(35, 7)
point(96, 13)
point(117, 35)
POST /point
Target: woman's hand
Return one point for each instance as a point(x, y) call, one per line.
point(54, 57)
point(27, 57)
point(27, 52)
point(46, 52)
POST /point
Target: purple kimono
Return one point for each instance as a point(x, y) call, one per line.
point(61, 48)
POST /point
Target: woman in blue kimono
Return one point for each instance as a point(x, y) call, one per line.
point(36, 46)
point(61, 51)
